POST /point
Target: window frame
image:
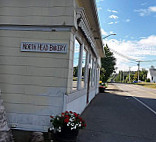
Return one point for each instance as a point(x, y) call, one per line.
point(76, 86)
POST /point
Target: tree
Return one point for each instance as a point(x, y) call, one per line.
point(75, 72)
point(107, 64)
point(102, 74)
point(136, 75)
point(142, 75)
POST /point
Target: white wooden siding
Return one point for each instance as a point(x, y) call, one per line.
point(37, 12)
point(33, 84)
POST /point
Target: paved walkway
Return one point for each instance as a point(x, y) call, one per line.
point(114, 117)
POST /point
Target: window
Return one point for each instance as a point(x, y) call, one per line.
point(95, 74)
point(83, 68)
point(91, 67)
point(76, 64)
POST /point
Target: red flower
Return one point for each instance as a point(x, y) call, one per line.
point(63, 114)
point(51, 116)
point(85, 125)
point(66, 112)
point(76, 115)
point(80, 118)
point(66, 116)
point(66, 120)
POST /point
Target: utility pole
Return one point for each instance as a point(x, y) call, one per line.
point(123, 76)
point(120, 75)
point(138, 69)
point(129, 74)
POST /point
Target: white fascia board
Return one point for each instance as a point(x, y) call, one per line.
point(84, 25)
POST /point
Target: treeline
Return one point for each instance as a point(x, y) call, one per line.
point(129, 77)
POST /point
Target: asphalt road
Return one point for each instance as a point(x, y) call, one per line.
point(124, 113)
point(145, 96)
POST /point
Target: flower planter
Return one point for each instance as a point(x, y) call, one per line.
point(66, 126)
point(66, 135)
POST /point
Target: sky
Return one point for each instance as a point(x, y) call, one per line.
point(134, 23)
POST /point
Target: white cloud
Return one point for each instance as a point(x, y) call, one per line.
point(137, 50)
point(111, 32)
point(150, 41)
point(142, 37)
point(143, 12)
point(110, 23)
point(113, 11)
point(116, 22)
point(152, 9)
point(128, 20)
point(113, 17)
point(104, 33)
point(99, 8)
point(99, 0)
point(146, 12)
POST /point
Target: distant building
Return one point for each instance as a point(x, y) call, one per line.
point(152, 74)
point(50, 53)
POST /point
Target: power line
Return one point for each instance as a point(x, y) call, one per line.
point(132, 59)
point(149, 61)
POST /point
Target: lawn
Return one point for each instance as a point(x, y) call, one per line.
point(147, 84)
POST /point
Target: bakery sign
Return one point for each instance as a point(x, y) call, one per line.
point(44, 47)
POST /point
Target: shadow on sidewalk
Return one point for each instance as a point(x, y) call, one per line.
point(117, 118)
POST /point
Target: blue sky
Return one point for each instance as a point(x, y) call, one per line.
point(134, 22)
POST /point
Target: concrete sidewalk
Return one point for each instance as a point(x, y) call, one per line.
point(114, 117)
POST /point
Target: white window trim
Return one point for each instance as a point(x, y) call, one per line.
point(80, 67)
point(75, 38)
point(87, 66)
point(86, 69)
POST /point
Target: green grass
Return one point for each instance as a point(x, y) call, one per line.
point(147, 84)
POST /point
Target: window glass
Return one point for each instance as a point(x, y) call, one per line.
point(83, 68)
point(91, 69)
point(75, 64)
point(95, 76)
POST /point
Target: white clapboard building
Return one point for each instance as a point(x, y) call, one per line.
point(50, 53)
point(152, 74)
